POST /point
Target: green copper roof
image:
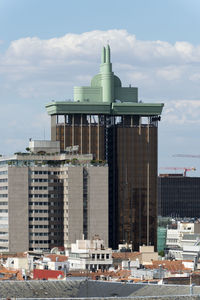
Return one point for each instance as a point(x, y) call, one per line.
point(143, 109)
point(105, 96)
point(137, 108)
point(77, 108)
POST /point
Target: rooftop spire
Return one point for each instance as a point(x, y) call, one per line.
point(106, 66)
point(103, 55)
point(107, 54)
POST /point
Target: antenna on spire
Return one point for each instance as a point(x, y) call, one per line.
point(107, 54)
point(103, 55)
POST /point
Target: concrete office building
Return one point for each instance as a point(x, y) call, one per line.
point(107, 120)
point(50, 200)
point(178, 196)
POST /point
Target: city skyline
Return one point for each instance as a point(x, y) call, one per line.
point(154, 49)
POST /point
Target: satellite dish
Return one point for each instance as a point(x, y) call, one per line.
point(54, 250)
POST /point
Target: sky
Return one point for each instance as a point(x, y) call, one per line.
point(47, 47)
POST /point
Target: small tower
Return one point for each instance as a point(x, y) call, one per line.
point(107, 77)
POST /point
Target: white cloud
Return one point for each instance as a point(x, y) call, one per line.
point(182, 112)
point(34, 71)
point(73, 57)
point(170, 73)
point(195, 77)
point(41, 121)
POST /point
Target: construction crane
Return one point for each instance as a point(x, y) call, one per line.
point(179, 168)
point(186, 155)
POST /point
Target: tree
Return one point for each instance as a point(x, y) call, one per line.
point(161, 253)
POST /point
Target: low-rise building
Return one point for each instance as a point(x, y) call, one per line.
point(146, 274)
point(127, 259)
point(52, 262)
point(90, 255)
point(148, 254)
point(17, 263)
point(175, 235)
point(167, 268)
point(183, 242)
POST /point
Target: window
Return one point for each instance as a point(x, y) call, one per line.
point(39, 242)
point(39, 234)
point(39, 195)
point(3, 225)
point(35, 188)
point(3, 248)
point(40, 211)
point(38, 226)
point(39, 180)
point(4, 180)
point(37, 219)
point(3, 172)
point(3, 187)
point(36, 203)
point(40, 172)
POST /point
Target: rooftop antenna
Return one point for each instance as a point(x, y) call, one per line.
point(44, 133)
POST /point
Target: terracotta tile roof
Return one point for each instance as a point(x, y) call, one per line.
point(19, 276)
point(80, 274)
point(7, 274)
point(55, 257)
point(19, 254)
point(47, 274)
point(196, 272)
point(126, 255)
point(188, 260)
point(123, 273)
point(5, 270)
point(105, 273)
point(119, 274)
point(172, 266)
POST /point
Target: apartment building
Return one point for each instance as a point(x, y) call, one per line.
point(51, 200)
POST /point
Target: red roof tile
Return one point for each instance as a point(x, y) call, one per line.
point(125, 255)
point(19, 254)
point(47, 274)
point(55, 257)
point(172, 266)
point(8, 274)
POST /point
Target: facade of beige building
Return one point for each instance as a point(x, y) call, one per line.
point(49, 201)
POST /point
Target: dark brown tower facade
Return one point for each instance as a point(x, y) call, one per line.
point(124, 133)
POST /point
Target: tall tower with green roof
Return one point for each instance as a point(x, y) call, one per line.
point(106, 120)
